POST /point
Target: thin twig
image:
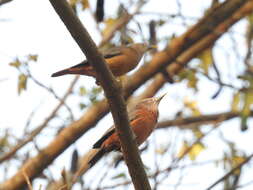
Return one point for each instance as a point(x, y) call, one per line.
point(51, 91)
point(231, 172)
point(37, 130)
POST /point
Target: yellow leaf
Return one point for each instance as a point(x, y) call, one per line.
point(190, 76)
point(236, 160)
point(15, 63)
point(85, 4)
point(82, 91)
point(235, 102)
point(33, 57)
point(206, 58)
point(248, 100)
point(109, 23)
point(192, 79)
point(73, 2)
point(161, 150)
point(22, 81)
point(196, 150)
point(198, 133)
point(192, 105)
point(192, 151)
point(183, 150)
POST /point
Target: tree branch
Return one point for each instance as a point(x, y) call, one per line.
point(112, 91)
point(96, 112)
point(247, 159)
point(37, 130)
point(2, 2)
point(183, 123)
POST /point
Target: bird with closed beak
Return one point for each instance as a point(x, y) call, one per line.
point(143, 119)
point(120, 60)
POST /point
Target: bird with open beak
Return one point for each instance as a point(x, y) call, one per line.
point(120, 60)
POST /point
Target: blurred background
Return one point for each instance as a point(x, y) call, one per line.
point(204, 128)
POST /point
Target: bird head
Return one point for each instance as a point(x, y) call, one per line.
point(150, 103)
point(158, 99)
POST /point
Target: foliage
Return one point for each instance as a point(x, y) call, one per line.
point(216, 79)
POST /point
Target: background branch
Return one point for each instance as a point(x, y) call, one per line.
point(96, 112)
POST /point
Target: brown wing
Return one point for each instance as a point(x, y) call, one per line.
point(112, 52)
point(104, 137)
point(79, 68)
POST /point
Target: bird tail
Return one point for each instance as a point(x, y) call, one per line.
point(89, 160)
point(80, 68)
point(97, 157)
point(60, 73)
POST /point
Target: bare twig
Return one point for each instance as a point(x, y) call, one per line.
point(247, 159)
point(51, 91)
point(37, 130)
point(96, 112)
point(122, 22)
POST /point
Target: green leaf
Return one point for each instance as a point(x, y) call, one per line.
point(192, 80)
point(120, 175)
point(96, 90)
point(82, 106)
point(245, 113)
point(82, 91)
point(190, 76)
point(244, 125)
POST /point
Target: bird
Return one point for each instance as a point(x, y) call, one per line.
point(143, 119)
point(120, 60)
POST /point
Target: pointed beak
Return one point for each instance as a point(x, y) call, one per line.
point(160, 98)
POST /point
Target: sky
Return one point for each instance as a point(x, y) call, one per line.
point(32, 27)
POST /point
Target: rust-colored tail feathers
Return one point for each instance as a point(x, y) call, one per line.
point(81, 68)
point(60, 73)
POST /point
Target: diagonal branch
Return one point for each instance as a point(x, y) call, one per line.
point(195, 121)
point(2, 2)
point(231, 172)
point(96, 112)
point(112, 91)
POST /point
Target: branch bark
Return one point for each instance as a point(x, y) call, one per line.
point(113, 94)
point(2, 2)
point(96, 112)
point(196, 121)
